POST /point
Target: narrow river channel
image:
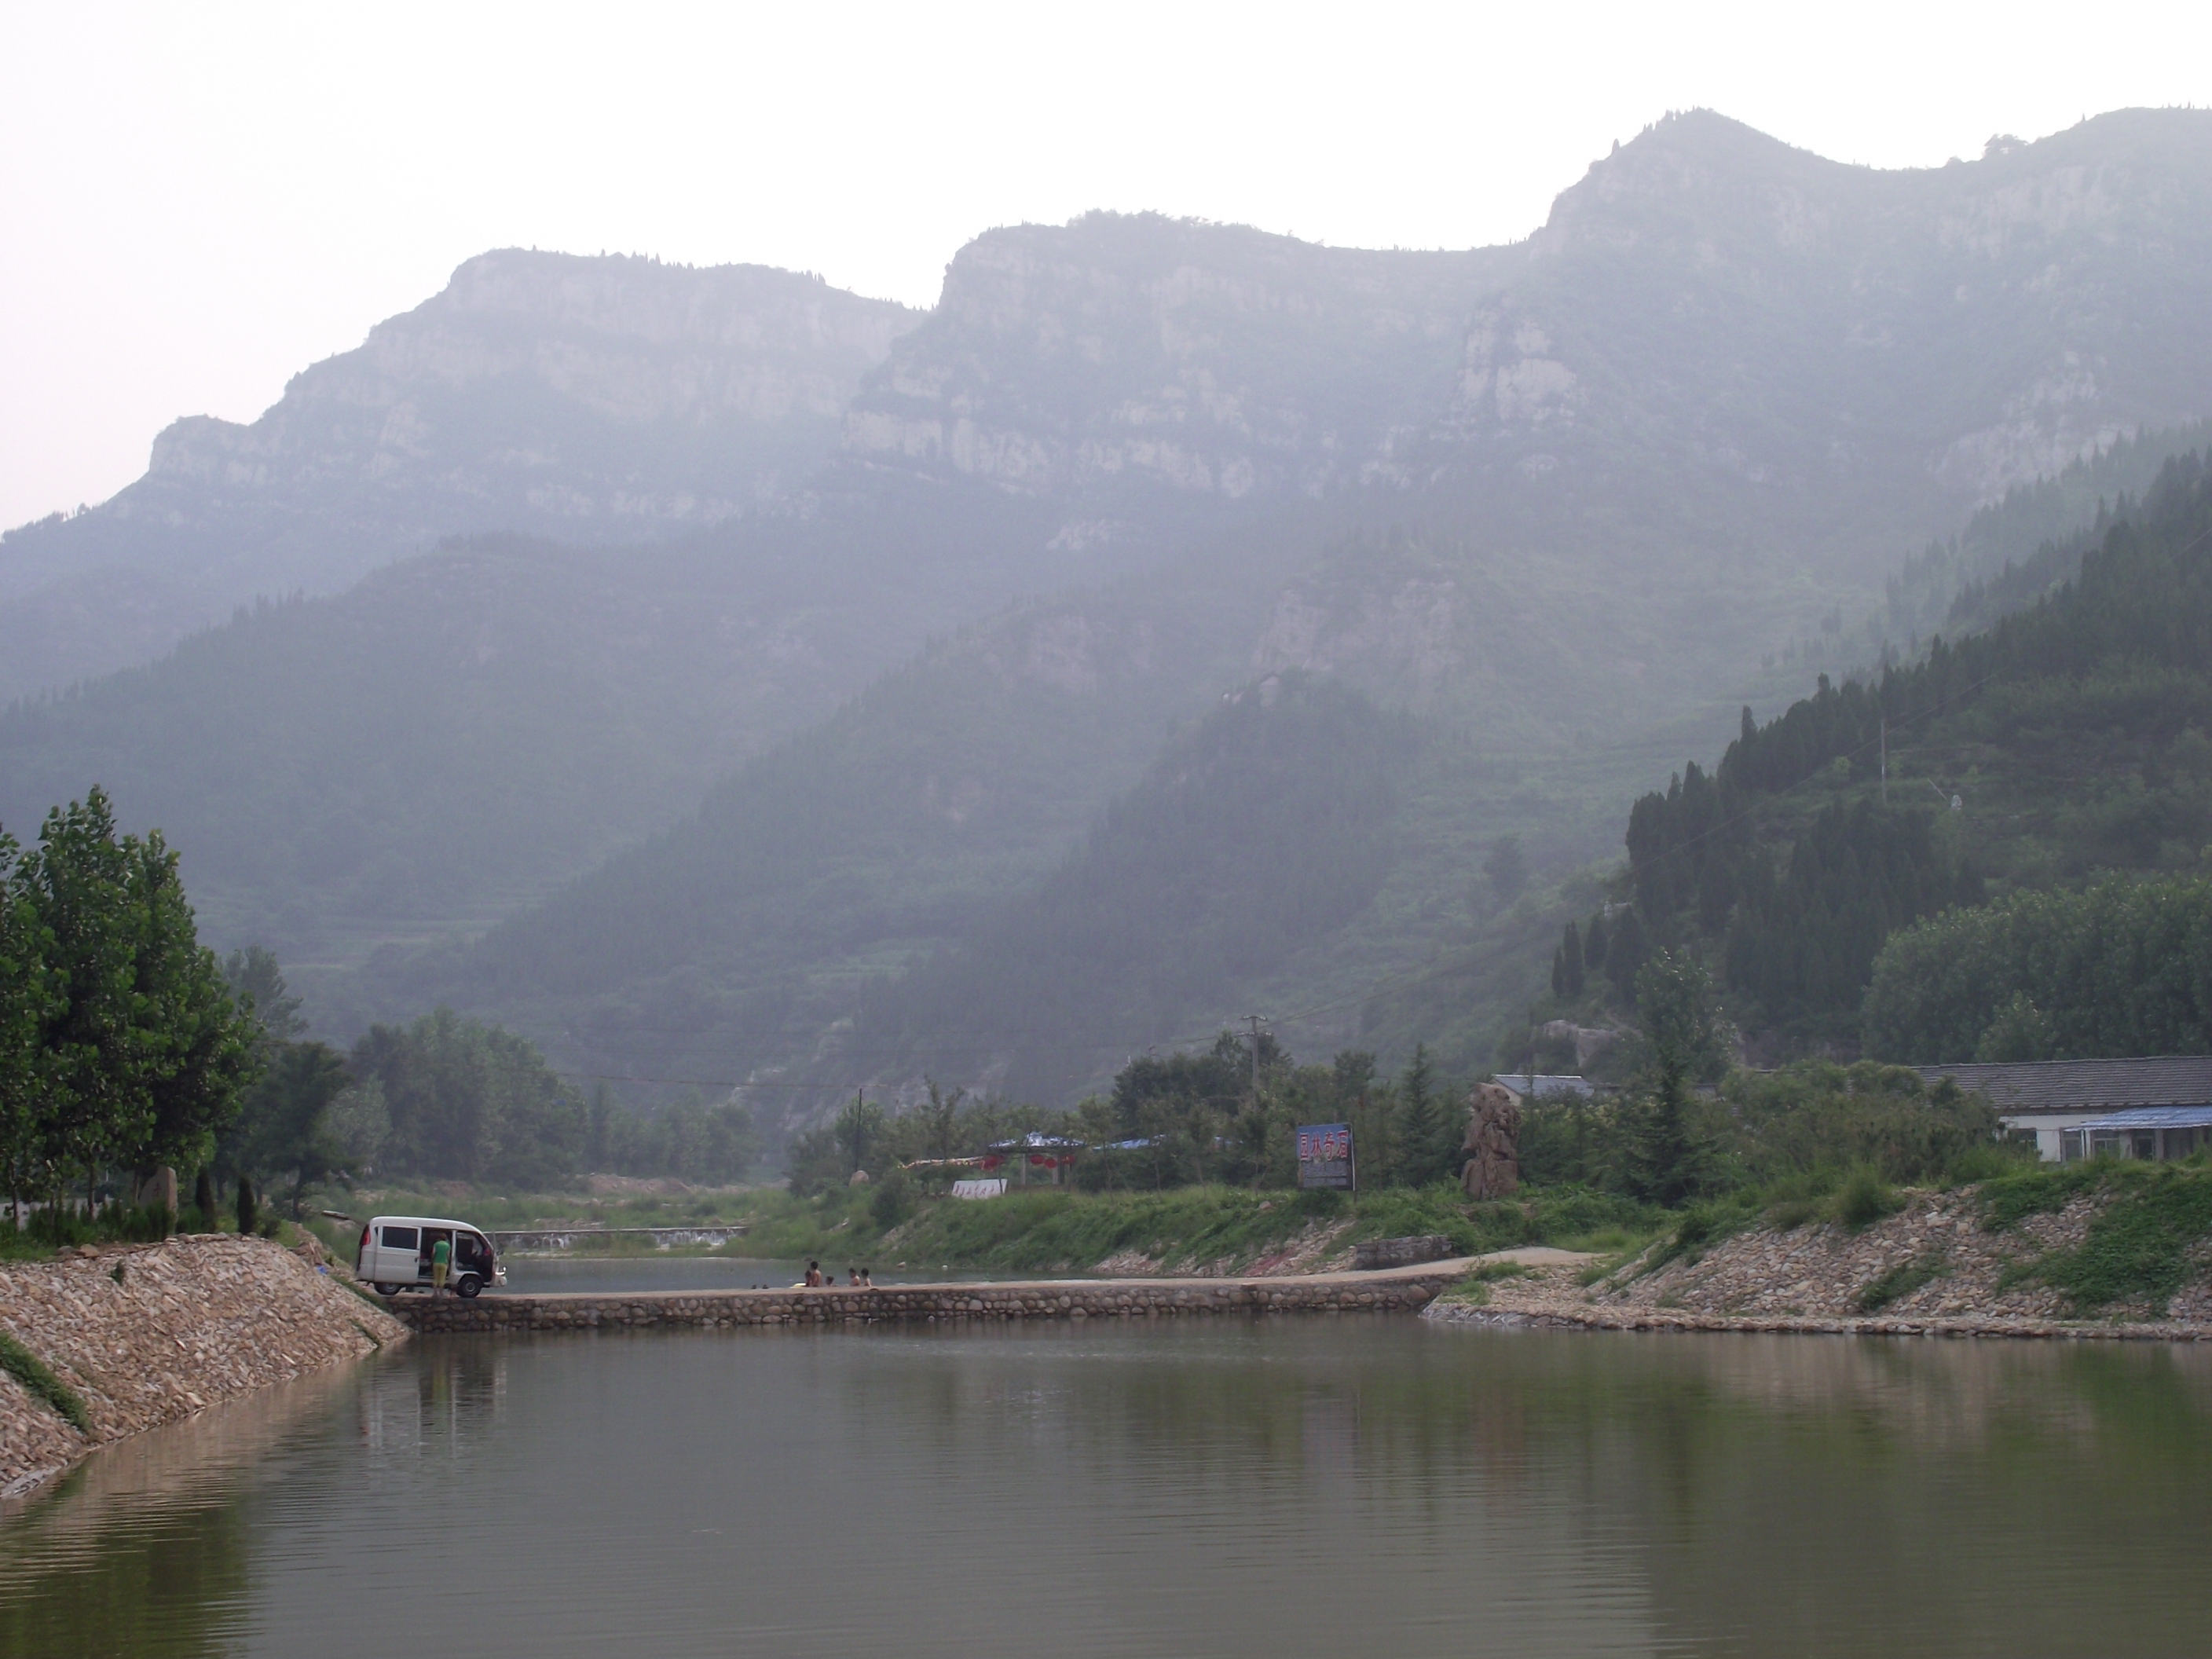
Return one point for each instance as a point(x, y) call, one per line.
point(1322, 1487)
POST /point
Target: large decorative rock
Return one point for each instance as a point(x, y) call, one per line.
point(1493, 1169)
point(159, 1190)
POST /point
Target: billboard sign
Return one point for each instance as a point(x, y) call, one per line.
point(1324, 1155)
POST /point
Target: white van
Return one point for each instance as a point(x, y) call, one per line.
point(394, 1255)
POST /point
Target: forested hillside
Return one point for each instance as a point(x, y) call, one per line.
point(462, 732)
point(1263, 830)
point(2066, 743)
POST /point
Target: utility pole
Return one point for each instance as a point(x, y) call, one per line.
point(1254, 1021)
point(1884, 760)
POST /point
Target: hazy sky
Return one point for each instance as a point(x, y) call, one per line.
point(201, 200)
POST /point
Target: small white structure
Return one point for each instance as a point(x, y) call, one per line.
point(981, 1187)
point(1545, 1085)
point(2158, 1106)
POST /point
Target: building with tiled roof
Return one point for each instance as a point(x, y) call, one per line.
point(2158, 1106)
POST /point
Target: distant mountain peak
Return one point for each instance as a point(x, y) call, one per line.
point(608, 341)
point(609, 398)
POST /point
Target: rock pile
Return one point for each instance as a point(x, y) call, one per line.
point(143, 1334)
point(1930, 1269)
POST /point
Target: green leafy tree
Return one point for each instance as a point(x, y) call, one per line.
point(95, 1060)
point(1355, 1096)
point(1815, 1114)
point(1665, 1155)
point(257, 984)
point(26, 1005)
point(295, 1129)
point(1625, 952)
point(817, 1162)
point(1428, 1137)
point(207, 1056)
point(2121, 967)
point(940, 1119)
point(858, 1126)
point(287, 1117)
point(140, 1053)
point(1567, 972)
point(468, 1101)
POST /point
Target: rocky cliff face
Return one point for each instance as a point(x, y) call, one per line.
point(586, 399)
point(1705, 296)
point(1560, 495)
point(1124, 354)
point(540, 389)
point(1820, 362)
point(1972, 325)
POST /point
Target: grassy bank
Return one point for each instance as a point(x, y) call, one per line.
point(2145, 1238)
point(1229, 1229)
point(2138, 1250)
point(1185, 1229)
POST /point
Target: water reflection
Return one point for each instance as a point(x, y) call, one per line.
point(146, 1548)
point(1287, 1488)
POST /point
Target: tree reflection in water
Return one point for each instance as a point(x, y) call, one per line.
point(1272, 1487)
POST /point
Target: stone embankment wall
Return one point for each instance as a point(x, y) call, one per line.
point(1950, 1276)
point(1400, 1291)
point(146, 1334)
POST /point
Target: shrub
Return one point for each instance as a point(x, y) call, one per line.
point(1815, 1114)
point(1864, 1199)
point(893, 1200)
point(2045, 1189)
point(26, 1368)
point(1899, 1281)
point(2138, 1247)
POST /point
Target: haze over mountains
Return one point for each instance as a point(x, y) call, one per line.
point(581, 398)
point(907, 601)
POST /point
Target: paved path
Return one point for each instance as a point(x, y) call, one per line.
point(1407, 1289)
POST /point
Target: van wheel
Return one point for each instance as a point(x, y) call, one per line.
point(387, 1290)
point(469, 1284)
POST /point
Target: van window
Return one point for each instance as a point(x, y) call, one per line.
point(399, 1239)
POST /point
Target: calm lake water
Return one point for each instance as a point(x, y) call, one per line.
point(1320, 1486)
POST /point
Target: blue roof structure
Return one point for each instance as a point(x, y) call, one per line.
point(2156, 1118)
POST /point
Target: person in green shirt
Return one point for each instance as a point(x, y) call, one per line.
point(441, 1257)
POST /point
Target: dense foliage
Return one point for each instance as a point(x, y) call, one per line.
point(1264, 828)
point(2070, 737)
point(1170, 1120)
point(2122, 967)
point(121, 1046)
point(469, 1102)
point(713, 1143)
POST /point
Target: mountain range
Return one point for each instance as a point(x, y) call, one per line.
point(768, 648)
